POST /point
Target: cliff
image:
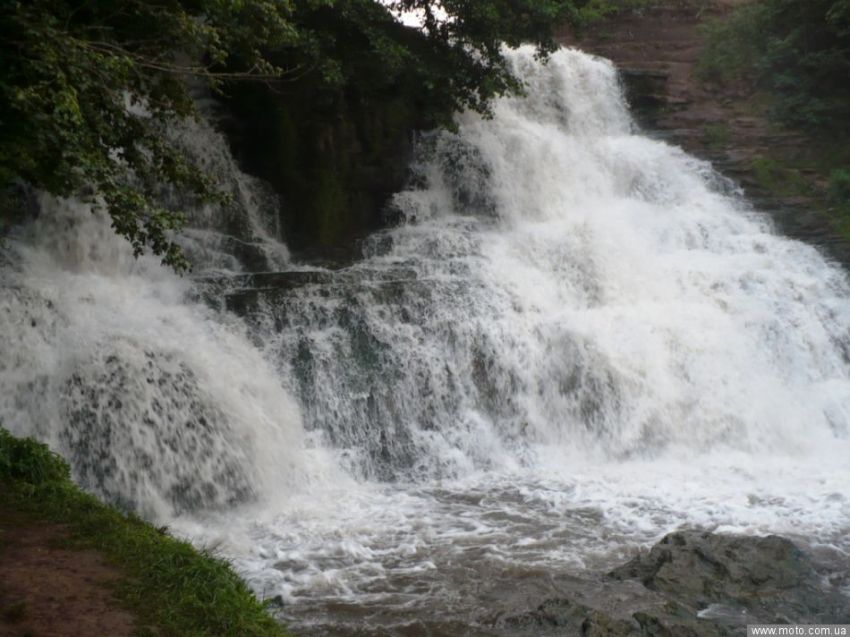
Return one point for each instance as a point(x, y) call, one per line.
point(659, 51)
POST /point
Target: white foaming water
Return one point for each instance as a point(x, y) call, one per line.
point(580, 339)
point(160, 404)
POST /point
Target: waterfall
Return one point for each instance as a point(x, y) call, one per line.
point(563, 281)
point(578, 339)
point(161, 404)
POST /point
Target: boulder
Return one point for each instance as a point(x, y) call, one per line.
point(695, 584)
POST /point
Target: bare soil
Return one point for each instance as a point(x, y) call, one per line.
point(50, 591)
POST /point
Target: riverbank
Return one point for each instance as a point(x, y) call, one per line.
point(70, 565)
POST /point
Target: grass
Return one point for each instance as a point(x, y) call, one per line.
point(777, 177)
point(171, 587)
point(839, 198)
point(716, 134)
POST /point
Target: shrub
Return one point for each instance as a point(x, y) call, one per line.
point(839, 185)
point(25, 460)
point(798, 50)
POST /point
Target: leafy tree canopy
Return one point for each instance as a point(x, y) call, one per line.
point(88, 86)
point(797, 49)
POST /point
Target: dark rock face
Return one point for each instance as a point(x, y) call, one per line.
point(768, 576)
point(646, 91)
point(334, 159)
point(696, 584)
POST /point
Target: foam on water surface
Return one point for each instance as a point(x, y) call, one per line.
point(578, 340)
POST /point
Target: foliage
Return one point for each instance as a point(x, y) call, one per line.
point(26, 460)
point(455, 55)
point(456, 27)
point(588, 12)
point(732, 46)
point(839, 198)
point(839, 185)
point(172, 588)
point(87, 87)
point(716, 134)
point(799, 50)
point(777, 177)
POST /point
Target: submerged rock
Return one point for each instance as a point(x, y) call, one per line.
point(696, 584)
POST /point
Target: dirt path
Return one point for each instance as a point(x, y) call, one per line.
point(47, 591)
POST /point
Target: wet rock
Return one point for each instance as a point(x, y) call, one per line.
point(645, 89)
point(598, 624)
point(567, 617)
point(552, 613)
point(694, 584)
point(768, 576)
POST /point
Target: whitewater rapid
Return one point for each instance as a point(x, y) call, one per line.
point(579, 339)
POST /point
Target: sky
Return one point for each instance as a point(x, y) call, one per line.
point(415, 18)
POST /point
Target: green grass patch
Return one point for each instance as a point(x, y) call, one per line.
point(778, 178)
point(839, 185)
point(716, 135)
point(839, 198)
point(173, 588)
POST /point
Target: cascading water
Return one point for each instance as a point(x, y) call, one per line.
point(579, 339)
point(160, 404)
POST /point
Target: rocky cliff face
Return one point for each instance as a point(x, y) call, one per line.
point(335, 160)
point(658, 52)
